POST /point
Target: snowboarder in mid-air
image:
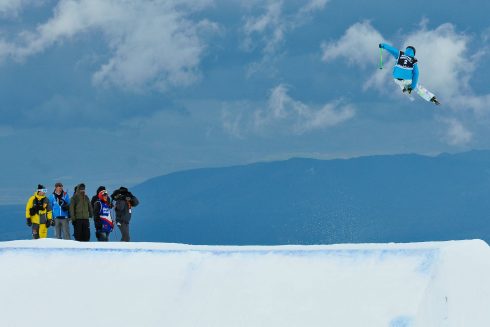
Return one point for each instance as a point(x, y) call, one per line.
point(406, 72)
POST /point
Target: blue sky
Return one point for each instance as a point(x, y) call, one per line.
point(114, 92)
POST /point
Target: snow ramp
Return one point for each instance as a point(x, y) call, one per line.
point(66, 283)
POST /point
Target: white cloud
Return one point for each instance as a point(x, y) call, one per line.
point(268, 30)
point(312, 6)
point(269, 22)
point(153, 44)
point(282, 114)
point(456, 133)
point(232, 123)
point(358, 45)
point(12, 7)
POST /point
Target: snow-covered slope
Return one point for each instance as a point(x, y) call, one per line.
point(65, 283)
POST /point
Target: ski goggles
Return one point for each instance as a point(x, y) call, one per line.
point(44, 190)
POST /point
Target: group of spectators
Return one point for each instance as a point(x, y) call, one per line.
point(58, 210)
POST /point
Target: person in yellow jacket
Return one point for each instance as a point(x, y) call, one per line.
point(38, 213)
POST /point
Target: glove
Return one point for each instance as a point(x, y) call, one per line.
point(53, 222)
point(409, 89)
point(381, 46)
point(29, 222)
point(48, 223)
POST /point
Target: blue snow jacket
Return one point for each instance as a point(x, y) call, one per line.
point(405, 68)
point(56, 204)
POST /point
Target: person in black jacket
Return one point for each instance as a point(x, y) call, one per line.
point(124, 202)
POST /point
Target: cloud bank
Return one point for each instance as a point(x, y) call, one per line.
point(284, 114)
point(153, 44)
point(268, 30)
point(12, 7)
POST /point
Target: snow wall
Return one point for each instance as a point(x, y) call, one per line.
point(65, 283)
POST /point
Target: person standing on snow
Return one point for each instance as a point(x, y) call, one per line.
point(80, 212)
point(406, 72)
point(102, 216)
point(95, 198)
point(60, 203)
point(38, 213)
point(125, 201)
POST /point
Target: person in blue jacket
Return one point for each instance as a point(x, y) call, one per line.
point(406, 72)
point(60, 204)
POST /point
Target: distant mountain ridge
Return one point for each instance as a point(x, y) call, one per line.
point(393, 198)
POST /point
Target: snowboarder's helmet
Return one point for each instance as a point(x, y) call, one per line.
point(411, 47)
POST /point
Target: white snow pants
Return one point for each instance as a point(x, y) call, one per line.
point(421, 91)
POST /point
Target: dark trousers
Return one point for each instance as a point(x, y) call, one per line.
point(102, 236)
point(82, 230)
point(124, 228)
point(35, 231)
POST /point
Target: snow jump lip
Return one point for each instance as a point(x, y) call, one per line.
point(393, 285)
point(224, 251)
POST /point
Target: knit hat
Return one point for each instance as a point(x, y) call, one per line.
point(100, 188)
point(41, 188)
point(81, 187)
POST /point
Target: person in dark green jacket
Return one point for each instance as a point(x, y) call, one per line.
point(80, 212)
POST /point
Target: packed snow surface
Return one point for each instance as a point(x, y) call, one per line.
point(66, 283)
